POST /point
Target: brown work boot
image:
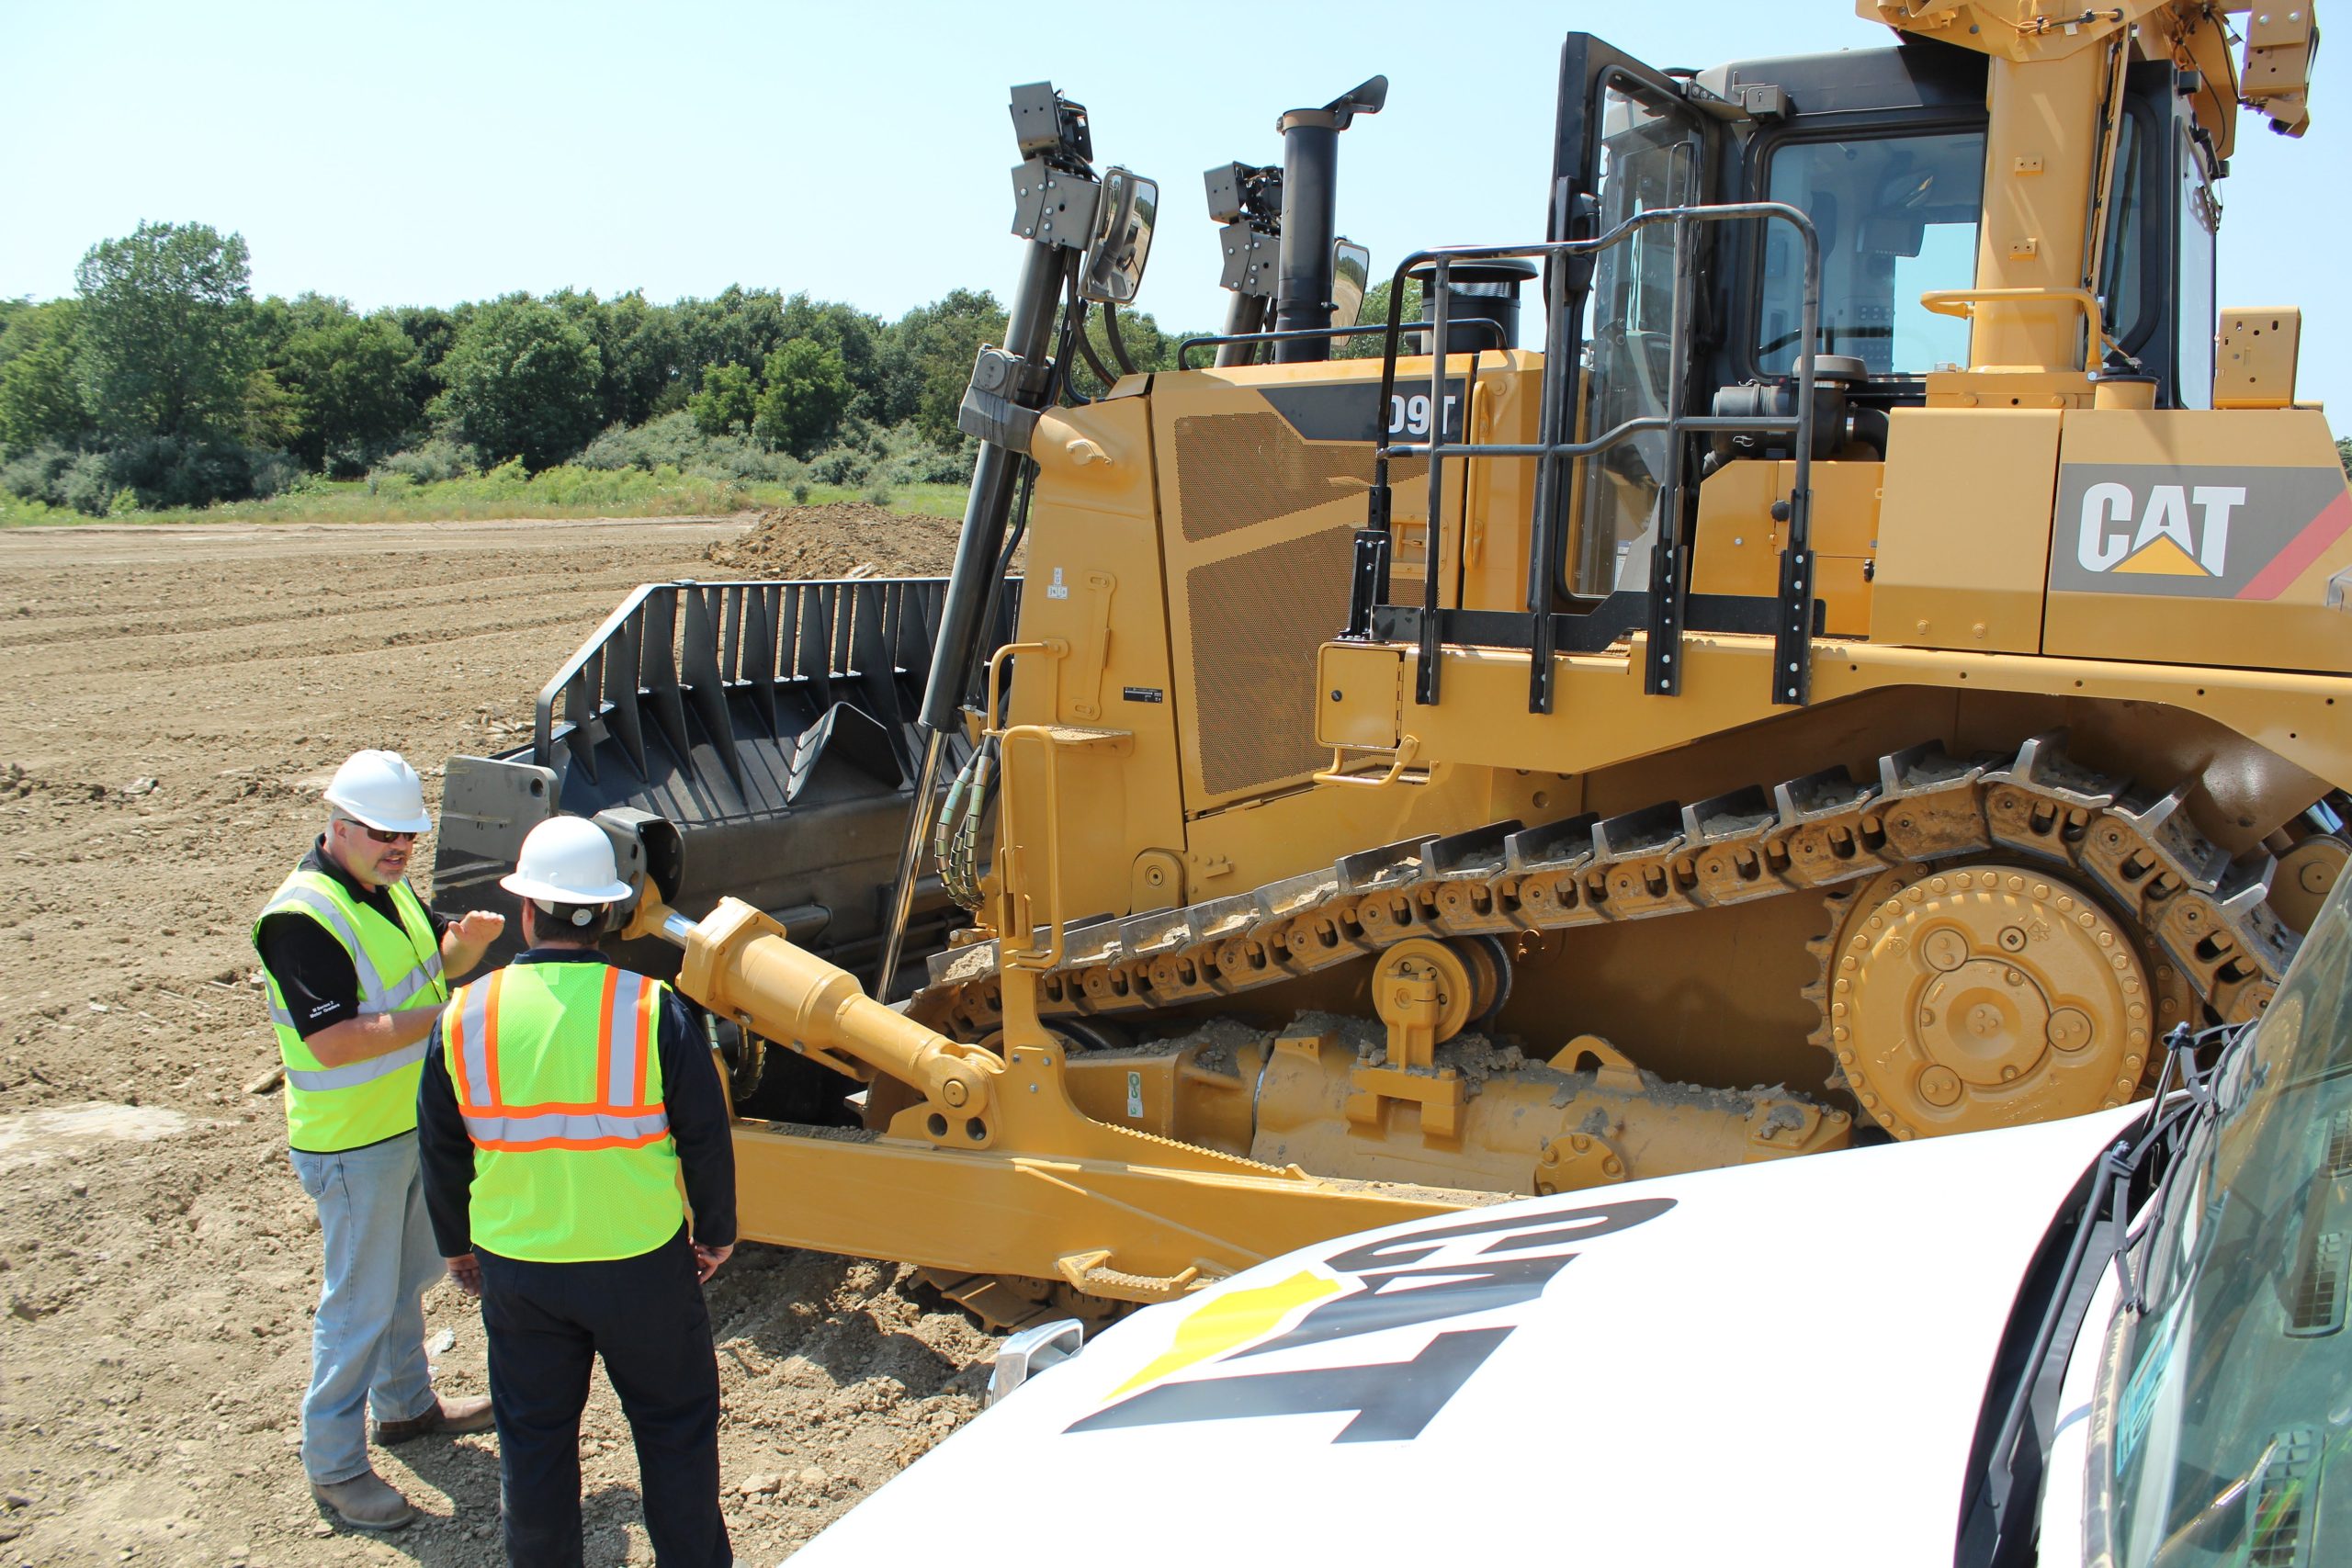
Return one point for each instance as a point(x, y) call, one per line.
point(452, 1415)
point(365, 1502)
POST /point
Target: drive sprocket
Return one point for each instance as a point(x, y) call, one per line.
point(1982, 993)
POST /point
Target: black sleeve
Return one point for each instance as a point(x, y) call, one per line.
point(312, 971)
point(697, 1109)
point(445, 1152)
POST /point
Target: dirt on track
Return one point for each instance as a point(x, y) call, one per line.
point(174, 699)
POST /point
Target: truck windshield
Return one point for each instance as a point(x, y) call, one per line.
point(2227, 1405)
point(1897, 217)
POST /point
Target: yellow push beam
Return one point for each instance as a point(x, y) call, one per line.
point(989, 1213)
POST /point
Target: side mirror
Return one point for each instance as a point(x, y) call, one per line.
point(1351, 280)
point(1128, 209)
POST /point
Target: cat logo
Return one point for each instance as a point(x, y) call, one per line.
point(2164, 543)
point(1469, 1282)
point(2200, 533)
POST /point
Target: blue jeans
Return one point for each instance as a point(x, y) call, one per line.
point(367, 1343)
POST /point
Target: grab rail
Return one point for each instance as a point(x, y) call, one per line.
point(1792, 663)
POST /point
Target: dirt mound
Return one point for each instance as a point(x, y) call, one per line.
point(162, 741)
point(847, 539)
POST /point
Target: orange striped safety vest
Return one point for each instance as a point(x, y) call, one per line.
point(559, 1079)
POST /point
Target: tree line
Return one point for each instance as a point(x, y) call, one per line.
point(164, 382)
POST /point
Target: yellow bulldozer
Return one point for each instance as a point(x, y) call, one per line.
point(1875, 668)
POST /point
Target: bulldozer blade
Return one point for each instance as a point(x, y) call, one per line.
point(771, 725)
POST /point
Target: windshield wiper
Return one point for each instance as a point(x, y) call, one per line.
point(1997, 1519)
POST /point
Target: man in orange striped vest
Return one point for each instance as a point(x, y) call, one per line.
point(564, 1104)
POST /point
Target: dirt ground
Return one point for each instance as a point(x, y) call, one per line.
point(174, 700)
point(847, 539)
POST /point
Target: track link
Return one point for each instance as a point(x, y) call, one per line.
point(2208, 912)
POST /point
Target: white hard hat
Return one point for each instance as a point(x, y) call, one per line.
point(381, 790)
point(566, 860)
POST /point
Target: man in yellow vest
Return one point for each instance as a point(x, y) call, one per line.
point(355, 967)
point(564, 1103)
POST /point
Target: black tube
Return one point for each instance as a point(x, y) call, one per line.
point(1245, 316)
point(1310, 219)
point(1118, 344)
point(970, 585)
point(1870, 426)
point(1085, 345)
point(1027, 331)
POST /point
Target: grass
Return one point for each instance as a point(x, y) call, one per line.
point(557, 492)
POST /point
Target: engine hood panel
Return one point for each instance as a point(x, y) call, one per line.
point(1781, 1362)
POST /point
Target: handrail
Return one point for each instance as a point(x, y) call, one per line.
point(1400, 757)
point(1016, 902)
point(1792, 642)
point(1962, 302)
point(1052, 647)
point(1212, 340)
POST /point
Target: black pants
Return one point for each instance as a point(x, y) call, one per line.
point(545, 1323)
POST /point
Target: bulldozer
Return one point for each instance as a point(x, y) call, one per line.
point(1878, 665)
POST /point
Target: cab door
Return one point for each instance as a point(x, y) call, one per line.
point(1630, 139)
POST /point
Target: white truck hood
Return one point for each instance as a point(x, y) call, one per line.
point(1775, 1363)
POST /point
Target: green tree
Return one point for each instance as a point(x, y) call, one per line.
point(165, 345)
point(644, 355)
point(40, 391)
point(932, 347)
point(433, 329)
point(2343, 455)
point(522, 382)
point(728, 401)
point(739, 327)
point(807, 393)
point(350, 381)
point(855, 339)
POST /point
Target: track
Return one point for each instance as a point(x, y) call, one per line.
point(2216, 942)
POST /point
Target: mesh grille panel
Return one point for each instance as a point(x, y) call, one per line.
point(1234, 470)
point(1257, 621)
point(2283, 1493)
point(2317, 1304)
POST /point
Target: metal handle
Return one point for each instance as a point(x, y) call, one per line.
point(1016, 898)
point(1963, 303)
point(1400, 757)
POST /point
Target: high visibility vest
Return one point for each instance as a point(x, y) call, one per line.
point(559, 1079)
point(399, 967)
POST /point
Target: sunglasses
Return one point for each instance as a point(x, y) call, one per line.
point(381, 837)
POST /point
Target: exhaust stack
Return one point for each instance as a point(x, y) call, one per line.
point(1310, 216)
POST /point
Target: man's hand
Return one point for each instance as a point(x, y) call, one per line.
point(708, 1259)
point(467, 938)
point(466, 1271)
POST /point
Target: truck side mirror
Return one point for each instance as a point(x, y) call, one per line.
point(1114, 261)
point(1350, 278)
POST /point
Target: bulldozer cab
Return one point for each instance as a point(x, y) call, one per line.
point(1884, 150)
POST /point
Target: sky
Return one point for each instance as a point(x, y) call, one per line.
point(428, 152)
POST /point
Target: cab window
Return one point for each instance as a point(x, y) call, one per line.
point(1897, 217)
